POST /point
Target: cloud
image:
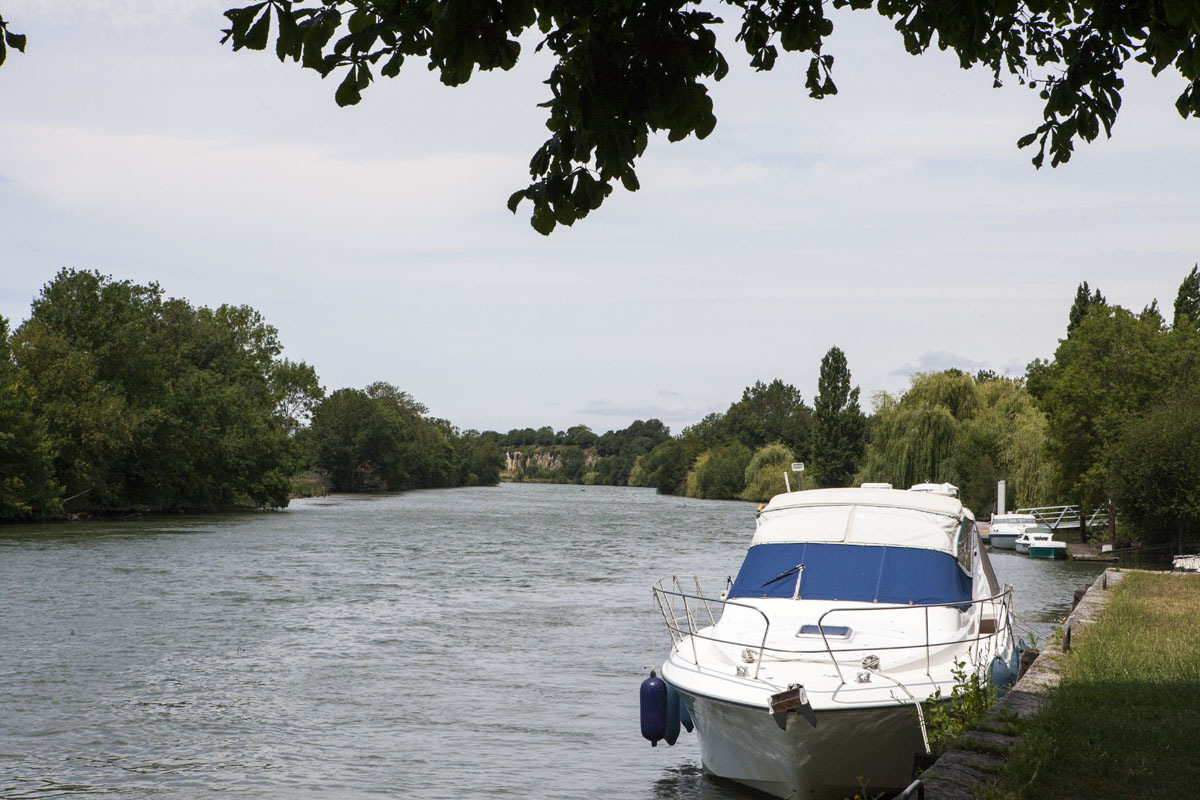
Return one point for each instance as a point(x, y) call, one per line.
point(675, 412)
point(210, 185)
point(938, 360)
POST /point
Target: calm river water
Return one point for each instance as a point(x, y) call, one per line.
point(465, 643)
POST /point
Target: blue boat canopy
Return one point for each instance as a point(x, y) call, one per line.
point(852, 573)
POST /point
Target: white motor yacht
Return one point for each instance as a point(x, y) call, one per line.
point(1031, 535)
point(1005, 528)
point(804, 675)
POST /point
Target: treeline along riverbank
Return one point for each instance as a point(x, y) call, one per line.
point(114, 398)
point(1112, 420)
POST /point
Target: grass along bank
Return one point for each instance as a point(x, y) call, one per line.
point(1125, 720)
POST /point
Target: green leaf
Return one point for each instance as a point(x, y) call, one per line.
point(629, 180)
point(290, 42)
point(1026, 140)
point(4, 53)
point(597, 191)
point(256, 37)
point(392, 68)
point(240, 20)
point(360, 20)
point(515, 199)
point(347, 92)
point(543, 219)
point(15, 40)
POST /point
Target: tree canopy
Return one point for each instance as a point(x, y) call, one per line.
point(950, 427)
point(1119, 424)
point(624, 70)
point(1187, 303)
point(381, 438)
point(115, 398)
point(151, 403)
point(27, 484)
point(1083, 301)
point(1156, 471)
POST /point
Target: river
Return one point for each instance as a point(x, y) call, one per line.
point(461, 643)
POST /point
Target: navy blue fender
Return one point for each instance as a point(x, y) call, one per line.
point(685, 718)
point(654, 708)
point(1003, 675)
point(673, 706)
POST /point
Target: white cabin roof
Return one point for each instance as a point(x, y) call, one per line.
point(894, 517)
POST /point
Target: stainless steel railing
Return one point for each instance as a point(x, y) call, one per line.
point(680, 610)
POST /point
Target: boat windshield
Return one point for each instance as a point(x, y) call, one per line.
point(1014, 520)
point(852, 573)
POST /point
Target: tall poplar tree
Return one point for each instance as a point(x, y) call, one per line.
point(1187, 303)
point(839, 425)
point(1083, 301)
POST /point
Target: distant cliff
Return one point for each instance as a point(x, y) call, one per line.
point(556, 463)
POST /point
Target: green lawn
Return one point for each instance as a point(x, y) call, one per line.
point(1125, 722)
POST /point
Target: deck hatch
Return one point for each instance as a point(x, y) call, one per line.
point(831, 631)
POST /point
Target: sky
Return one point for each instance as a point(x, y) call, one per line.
point(896, 220)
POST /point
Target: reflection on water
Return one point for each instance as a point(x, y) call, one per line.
point(1045, 588)
point(446, 644)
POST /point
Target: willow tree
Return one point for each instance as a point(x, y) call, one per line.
point(951, 428)
point(766, 470)
point(1009, 410)
point(911, 442)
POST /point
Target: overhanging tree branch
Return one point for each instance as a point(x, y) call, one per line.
point(627, 68)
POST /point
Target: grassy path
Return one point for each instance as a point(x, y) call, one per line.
point(1125, 721)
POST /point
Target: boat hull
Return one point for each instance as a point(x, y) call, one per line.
point(845, 751)
point(1004, 541)
point(1048, 551)
point(1021, 547)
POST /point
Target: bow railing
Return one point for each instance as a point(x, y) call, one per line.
point(691, 617)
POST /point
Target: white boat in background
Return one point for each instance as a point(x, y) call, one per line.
point(1032, 534)
point(804, 675)
point(1005, 528)
point(1185, 563)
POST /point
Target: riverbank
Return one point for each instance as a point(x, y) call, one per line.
point(1107, 710)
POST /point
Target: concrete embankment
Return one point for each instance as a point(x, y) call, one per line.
point(982, 753)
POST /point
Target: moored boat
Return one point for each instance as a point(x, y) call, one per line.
point(804, 676)
point(1050, 549)
point(1005, 528)
point(1036, 533)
